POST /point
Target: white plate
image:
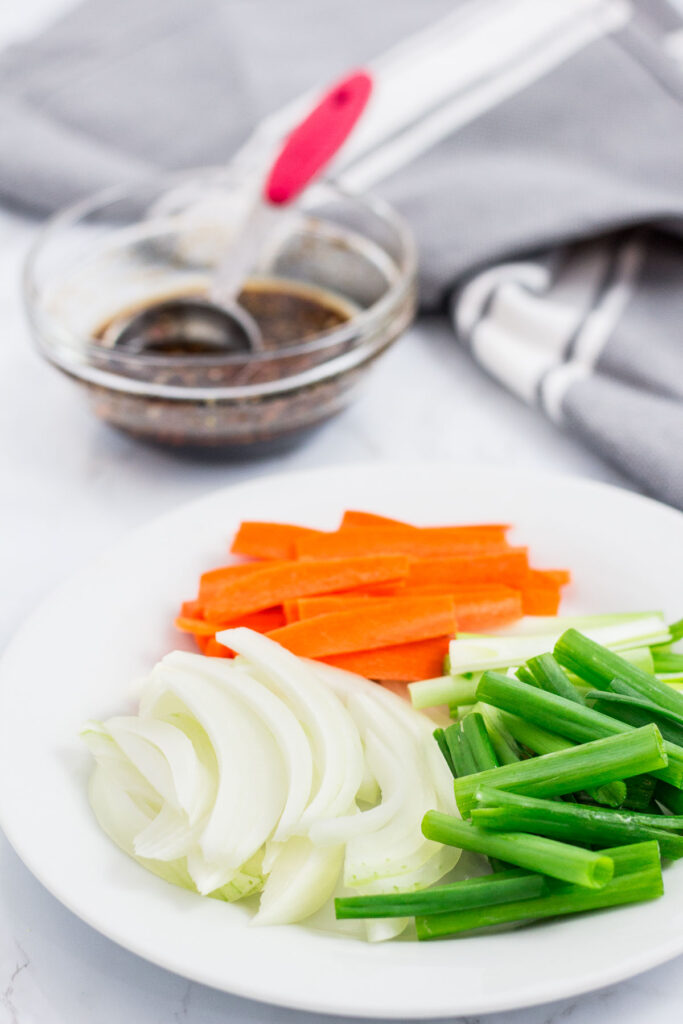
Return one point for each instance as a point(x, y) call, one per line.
point(75, 659)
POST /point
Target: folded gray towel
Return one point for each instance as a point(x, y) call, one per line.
point(536, 148)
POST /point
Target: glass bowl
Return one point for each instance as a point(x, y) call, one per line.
point(99, 261)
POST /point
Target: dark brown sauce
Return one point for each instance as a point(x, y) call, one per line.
point(287, 314)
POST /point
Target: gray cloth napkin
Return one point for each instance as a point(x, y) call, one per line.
point(536, 148)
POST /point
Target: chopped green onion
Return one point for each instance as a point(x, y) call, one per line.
point(599, 666)
point(533, 737)
point(639, 657)
point(636, 711)
point(440, 738)
point(540, 741)
point(502, 887)
point(481, 748)
point(547, 674)
point(461, 755)
point(571, 823)
point(504, 745)
point(526, 676)
point(572, 720)
point(669, 797)
point(626, 690)
point(476, 653)
point(676, 630)
point(547, 856)
point(640, 791)
point(589, 764)
point(636, 878)
point(451, 690)
point(667, 661)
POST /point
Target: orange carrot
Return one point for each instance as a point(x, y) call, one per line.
point(477, 607)
point(262, 621)
point(269, 540)
point(215, 650)
point(540, 600)
point(412, 541)
point(291, 610)
point(394, 621)
point(199, 627)
point(510, 567)
point(354, 518)
point(191, 609)
point(310, 607)
point(541, 591)
point(553, 577)
point(391, 589)
point(213, 581)
point(405, 662)
point(201, 642)
point(275, 584)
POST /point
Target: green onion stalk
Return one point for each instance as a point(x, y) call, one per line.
point(570, 823)
point(637, 877)
point(536, 853)
point(593, 764)
point(574, 721)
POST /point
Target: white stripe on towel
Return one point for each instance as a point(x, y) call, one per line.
point(519, 319)
point(597, 328)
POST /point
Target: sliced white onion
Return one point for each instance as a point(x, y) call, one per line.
point(336, 744)
point(121, 817)
point(245, 776)
point(166, 758)
point(386, 768)
point(168, 836)
point(383, 929)
point(117, 767)
point(303, 877)
point(276, 715)
point(251, 790)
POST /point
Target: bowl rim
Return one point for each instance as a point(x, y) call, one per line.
point(75, 361)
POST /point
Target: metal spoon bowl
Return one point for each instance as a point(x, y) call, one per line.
point(191, 324)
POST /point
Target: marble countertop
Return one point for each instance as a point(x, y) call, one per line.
point(69, 487)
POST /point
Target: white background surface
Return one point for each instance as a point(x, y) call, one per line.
point(69, 487)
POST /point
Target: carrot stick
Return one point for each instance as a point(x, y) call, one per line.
point(310, 607)
point(540, 596)
point(354, 518)
point(215, 650)
point(390, 589)
point(477, 608)
point(262, 621)
point(273, 585)
point(408, 663)
point(291, 610)
point(395, 621)
point(269, 540)
point(510, 567)
point(191, 609)
point(215, 579)
point(541, 590)
point(198, 627)
point(550, 577)
point(201, 642)
point(415, 542)
point(540, 600)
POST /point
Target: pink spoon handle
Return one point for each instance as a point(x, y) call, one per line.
point(311, 145)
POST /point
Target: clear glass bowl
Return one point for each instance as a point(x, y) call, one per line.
point(130, 246)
